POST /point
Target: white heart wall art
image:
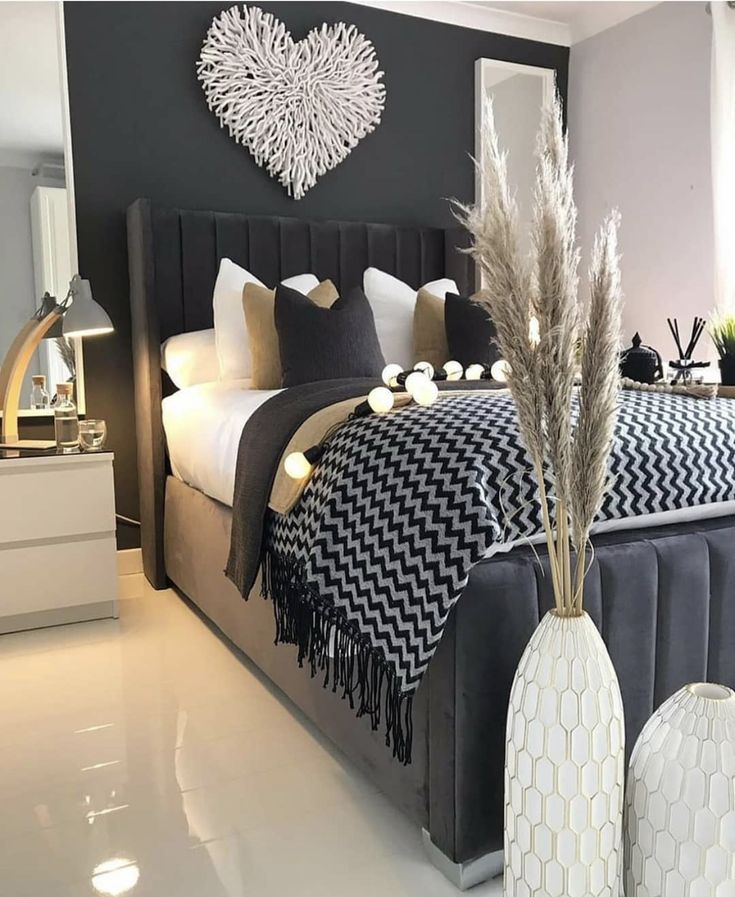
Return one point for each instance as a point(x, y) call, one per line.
point(299, 107)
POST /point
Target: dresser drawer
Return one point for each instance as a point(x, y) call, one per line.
point(38, 578)
point(56, 498)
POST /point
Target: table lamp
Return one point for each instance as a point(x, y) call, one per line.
point(78, 315)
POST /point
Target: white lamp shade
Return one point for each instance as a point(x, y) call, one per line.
point(85, 317)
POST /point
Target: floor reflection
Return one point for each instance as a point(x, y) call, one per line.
point(143, 757)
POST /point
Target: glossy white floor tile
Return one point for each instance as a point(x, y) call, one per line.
point(142, 757)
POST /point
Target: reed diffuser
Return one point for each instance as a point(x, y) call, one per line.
point(685, 365)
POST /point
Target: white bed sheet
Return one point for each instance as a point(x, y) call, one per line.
point(203, 424)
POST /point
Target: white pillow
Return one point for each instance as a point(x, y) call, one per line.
point(190, 358)
point(393, 303)
point(230, 331)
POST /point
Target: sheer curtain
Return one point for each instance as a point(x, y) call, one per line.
point(723, 151)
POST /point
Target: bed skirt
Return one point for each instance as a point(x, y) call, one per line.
point(663, 598)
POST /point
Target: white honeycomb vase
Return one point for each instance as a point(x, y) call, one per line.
point(680, 798)
point(565, 761)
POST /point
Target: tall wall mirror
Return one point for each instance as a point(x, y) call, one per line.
point(518, 93)
point(37, 222)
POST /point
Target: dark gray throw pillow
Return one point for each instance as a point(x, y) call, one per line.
point(470, 331)
point(326, 343)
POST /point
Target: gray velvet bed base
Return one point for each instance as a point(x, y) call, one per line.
point(663, 598)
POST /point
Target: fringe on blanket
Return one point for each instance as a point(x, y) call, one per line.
point(331, 645)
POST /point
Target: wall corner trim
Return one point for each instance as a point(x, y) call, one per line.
point(482, 18)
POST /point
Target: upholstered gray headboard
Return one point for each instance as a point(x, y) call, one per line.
point(174, 256)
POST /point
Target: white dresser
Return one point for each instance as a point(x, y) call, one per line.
point(58, 561)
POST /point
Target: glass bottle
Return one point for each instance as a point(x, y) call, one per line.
point(66, 421)
point(39, 396)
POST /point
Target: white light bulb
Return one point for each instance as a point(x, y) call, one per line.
point(426, 392)
point(453, 370)
point(115, 877)
point(500, 370)
point(413, 380)
point(390, 372)
point(534, 331)
point(426, 368)
point(380, 399)
point(297, 466)
point(474, 372)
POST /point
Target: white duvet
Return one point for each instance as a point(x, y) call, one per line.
point(203, 424)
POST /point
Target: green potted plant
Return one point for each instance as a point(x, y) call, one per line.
point(722, 331)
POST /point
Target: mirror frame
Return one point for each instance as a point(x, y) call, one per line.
point(482, 68)
point(24, 413)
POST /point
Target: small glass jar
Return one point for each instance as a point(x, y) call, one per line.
point(92, 435)
point(66, 421)
point(39, 397)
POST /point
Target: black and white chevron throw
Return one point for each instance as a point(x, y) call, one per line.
point(366, 568)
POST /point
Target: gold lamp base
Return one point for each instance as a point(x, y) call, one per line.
point(11, 376)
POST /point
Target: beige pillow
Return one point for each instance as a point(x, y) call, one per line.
point(429, 335)
point(258, 303)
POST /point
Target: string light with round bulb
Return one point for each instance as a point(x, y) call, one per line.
point(453, 370)
point(500, 370)
point(414, 381)
point(474, 372)
point(299, 465)
point(380, 399)
point(425, 367)
point(390, 374)
point(425, 392)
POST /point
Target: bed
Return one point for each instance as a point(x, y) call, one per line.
point(662, 595)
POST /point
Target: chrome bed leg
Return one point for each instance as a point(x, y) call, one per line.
point(463, 875)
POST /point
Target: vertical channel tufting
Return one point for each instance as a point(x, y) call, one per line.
point(593, 594)
point(265, 249)
point(279, 255)
point(314, 265)
point(629, 575)
point(424, 273)
point(295, 248)
point(707, 609)
point(381, 247)
point(232, 238)
point(682, 619)
point(457, 264)
point(199, 268)
point(432, 256)
point(408, 256)
point(188, 246)
point(353, 254)
point(325, 242)
point(166, 238)
point(721, 656)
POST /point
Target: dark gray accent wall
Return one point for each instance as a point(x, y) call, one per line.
point(140, 127)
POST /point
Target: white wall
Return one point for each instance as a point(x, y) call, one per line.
point(639, 134)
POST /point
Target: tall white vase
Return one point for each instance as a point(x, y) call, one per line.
point(565, 762)
point(680, 798)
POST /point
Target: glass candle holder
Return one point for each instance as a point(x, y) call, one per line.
point(92, 435)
